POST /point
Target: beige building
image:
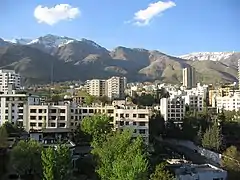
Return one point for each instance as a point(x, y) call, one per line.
point(189, 79)
point(66, 117)
point(133, 118)
point(9, 77)
point(96, 87)
point(115, 87)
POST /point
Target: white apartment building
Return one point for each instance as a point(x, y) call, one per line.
point(96, 87)
point(173, 108)
point(12, 106)
point(115, 87)
point(9, 77)
point(228, 103)
point(195, 102)
point(50, 118)
point(132, 117)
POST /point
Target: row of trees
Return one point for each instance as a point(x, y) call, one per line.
point(118, 154)
point(30, 159)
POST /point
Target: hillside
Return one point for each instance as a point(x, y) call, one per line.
point(83, 59)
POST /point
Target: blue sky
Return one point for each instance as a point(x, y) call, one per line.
point(183, 26)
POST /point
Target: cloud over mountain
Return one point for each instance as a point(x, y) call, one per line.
point(144, 16)
point(53, 15)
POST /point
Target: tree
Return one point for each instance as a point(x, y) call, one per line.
point(26, 158)
point(63, 163)
point(48, 163)
point(156, 124)
point(212, 138)
point(120, 157)
point(3, 137)
point(96, 125)
point(89, 99)
point(231, 162)
point(161, 173)
point(198, 139)
point(56, 163)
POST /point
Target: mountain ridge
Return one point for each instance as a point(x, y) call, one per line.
point(87, 59)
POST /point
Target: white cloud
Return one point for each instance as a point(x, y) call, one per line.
point(53, 15)
point(144, 16)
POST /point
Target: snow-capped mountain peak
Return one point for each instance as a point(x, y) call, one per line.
point(213, 56)
point(19, 41)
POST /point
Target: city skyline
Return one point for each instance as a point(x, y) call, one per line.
point(173, 27)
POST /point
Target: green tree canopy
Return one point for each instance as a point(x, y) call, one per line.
point(26, 158)
point(96, 125)
point(120, 157)
point(161, 173)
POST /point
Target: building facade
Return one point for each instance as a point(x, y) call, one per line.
point(115, 87)
point(189, 80)
point(96, 87)
point(9, 77)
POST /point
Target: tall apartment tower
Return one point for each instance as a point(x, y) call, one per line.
point(115, 87)
point(96, 87)
point(9, 77)
point(189, 77)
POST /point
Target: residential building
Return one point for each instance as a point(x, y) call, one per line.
point(195, 102)
point(12, 106)
point(189, 77)
point(239, 74)
point(173, 108)
point(115, 87)
point(96, 87)
point(198, 172)
point(9, 77)
point(133, 118)
point(229, 103)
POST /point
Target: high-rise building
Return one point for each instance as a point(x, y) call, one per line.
point(9, 77)
point(189, 77)
point(115, 87)
point(96, 87)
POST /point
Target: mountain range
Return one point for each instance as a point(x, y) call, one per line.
point(62, 58)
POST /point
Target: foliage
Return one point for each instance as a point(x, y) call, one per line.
point(120, 157)
point(26, 157)
point(212, 138)
point(96, 125)
point(57, 163)
point(161, 173)
point(144, 100)
point(3, 137)
point(199, 137)
point(63, 163)
point(156, 124)
point(48, 163)
point(89, 99)
point(231, 162)
point(12, 129)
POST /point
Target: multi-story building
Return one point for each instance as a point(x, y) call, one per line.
point(115, 87)
point(229, 103)
point(173, 108)
point(49, 118)
point(63, 118)
point(12, 106)
point(189, 77)
point(9, 77)
point(96, 87)
point(132, 117)
point(195, 102)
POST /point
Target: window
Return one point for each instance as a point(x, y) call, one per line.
point(126, 115)
point(134, 115)
point(33, 118)
point(127, 123)
point(62, 118)
point(52, 124)
point(141, 123)
point(62, 125)
point(121, 123)
point(62, 111)
point(110, 111)
point(142, 131)
point(53, 111)
point(32, 124)
point(141, 115)
point(90, 110)
point(116, 115)
point(121, 115)
point(134, 123)
point(33, 111)
point(84, 110)
point(39, 124)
